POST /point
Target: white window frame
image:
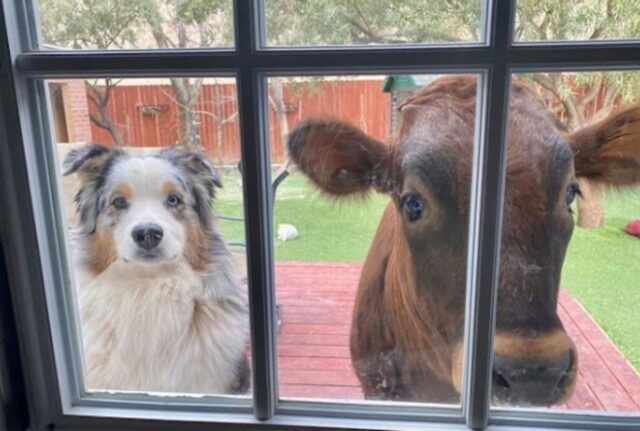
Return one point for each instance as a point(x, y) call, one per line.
point(33, 233)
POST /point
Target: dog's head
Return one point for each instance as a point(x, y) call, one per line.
point(147, 210)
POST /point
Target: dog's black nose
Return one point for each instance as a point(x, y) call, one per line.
point(147, 236)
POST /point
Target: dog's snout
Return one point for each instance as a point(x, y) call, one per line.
point(147, 236)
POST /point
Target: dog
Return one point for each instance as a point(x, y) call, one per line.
point(161, 308)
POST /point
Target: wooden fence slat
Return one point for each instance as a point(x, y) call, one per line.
point(147, 115)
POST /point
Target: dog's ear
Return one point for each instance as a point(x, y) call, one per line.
point(91, 163)
point(86, 160)
point(198, 165)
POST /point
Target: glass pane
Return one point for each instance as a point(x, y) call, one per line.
point(156, 249)
point(372, 22)
point(568, 330)
point(140, 24)
point(371, 234)
point(539, 20)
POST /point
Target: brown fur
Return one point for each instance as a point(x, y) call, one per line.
point(101, 249)
point(351, 163)
point(406, 339)
point(540, 347)
point(196, 249)
point(123, 190)
point(620, 133)
point(170, 188)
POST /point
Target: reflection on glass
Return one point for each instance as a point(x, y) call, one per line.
point(566, 277)
point(372, 22)
point(371, 291)
point(540, 20)
point(140, 24)
point(160, 295)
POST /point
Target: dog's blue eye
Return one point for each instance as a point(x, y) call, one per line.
point(119, 202)
point(173, 201)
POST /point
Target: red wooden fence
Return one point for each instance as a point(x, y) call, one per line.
point(147, 115)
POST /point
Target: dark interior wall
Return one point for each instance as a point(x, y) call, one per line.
point(13, 411)
point(13, 405)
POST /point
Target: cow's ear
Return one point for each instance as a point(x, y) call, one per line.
point(608, 152)
point(341, 159)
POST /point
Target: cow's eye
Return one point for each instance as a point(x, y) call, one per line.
point(413, 206)
point(572, 191)
point(119, 202)
point(173, 200)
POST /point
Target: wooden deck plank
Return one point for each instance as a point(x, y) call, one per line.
point(319, 378)
point(313, 339)
point(314, 351)
point(615, 382)
point(327, 392)
point(314, 328)
point(296, 363)
point(583, 397)
point(313, 342)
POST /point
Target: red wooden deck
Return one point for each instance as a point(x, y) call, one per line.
point(313, 342)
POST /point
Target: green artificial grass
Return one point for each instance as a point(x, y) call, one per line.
point(602, 268)
point(602, 271)
point(328, 229)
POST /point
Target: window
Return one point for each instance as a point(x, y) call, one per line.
point(139, 25)
point(248, 61)
point(375, 22)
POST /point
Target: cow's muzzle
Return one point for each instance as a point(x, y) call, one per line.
point(533, 370)
point(536, 370)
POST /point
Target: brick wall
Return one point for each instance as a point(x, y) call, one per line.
point(76, 109)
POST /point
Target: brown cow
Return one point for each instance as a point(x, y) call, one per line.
point(407, 324)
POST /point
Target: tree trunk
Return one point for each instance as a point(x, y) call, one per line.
point(188, 135)
point(100, 100)
point(278, 104)
point(219, 124)
point(219, 148)
point(187, 91)
point(590, 211)
point(115, 134)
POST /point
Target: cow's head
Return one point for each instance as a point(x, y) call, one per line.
point(426, 170)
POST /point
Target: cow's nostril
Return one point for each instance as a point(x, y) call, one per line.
point(540, 382)
point(147, 236)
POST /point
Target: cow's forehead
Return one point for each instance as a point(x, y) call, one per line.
point(436, 140)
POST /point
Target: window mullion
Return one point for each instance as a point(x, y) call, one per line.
point(18, 226)
point(252, 98)
point(486, 219)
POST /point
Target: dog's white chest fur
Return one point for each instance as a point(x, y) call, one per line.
point(159, 329)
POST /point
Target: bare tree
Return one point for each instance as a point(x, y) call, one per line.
point(100, 97)
point(220, 120)
point(191, 25)
point(104, 24)
point(277, 103)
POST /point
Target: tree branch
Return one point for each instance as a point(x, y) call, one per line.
point(602, 25)
point(591, 93)
point(101, 101)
